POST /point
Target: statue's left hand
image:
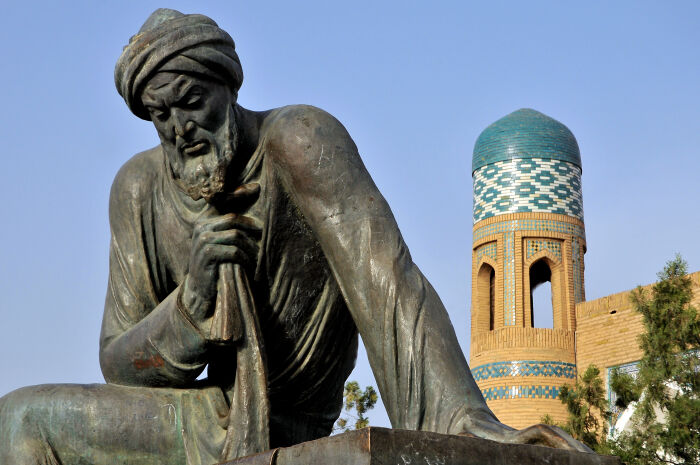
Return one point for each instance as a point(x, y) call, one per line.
point(485, 425)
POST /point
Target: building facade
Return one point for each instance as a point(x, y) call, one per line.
point(528, 230)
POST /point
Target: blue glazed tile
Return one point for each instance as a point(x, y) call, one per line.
point(534, 185)
point(525, 134)
point(533, 246)
point(524, 368)
point(530, 226)
point(519, 392)
point(488, 250)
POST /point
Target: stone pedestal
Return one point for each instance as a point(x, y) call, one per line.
point(382, 446)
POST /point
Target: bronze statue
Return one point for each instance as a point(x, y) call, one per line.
point(255, 243)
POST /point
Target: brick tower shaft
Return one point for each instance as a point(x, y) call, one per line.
point(528, 230)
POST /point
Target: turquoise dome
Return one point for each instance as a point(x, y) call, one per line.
point(525, 133)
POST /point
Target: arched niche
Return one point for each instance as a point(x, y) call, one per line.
point(544, 269)
point(486, 298)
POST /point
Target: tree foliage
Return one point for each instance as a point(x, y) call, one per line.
point(356, 404)
point(666, 422)
point(586, 404)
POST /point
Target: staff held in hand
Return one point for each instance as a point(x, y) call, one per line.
point(223, 245)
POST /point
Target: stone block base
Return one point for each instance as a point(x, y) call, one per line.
point(382, 446)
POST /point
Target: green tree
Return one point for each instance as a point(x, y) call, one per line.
point(586, 405)
point(666, 422)
point(357, 403)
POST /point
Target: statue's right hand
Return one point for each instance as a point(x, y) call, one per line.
point(230, 238)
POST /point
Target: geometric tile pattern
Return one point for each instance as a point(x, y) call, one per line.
point(515, 392)
point(509, 279)
point(577, 262)
point(529, 225)
point(487, 249)
point(528, 185)
point(524, 368)
point(535, 245)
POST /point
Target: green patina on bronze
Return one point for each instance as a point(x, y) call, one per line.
point(255, 244)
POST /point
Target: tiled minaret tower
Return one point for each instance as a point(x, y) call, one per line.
point(528, 229)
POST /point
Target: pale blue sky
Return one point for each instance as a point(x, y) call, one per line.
point(414, 82)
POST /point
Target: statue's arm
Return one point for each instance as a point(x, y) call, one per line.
point(144, 341)
point(421, 372)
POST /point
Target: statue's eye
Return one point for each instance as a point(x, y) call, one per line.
point(193, 98)
point(157, 113)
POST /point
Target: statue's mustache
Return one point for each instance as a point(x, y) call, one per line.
point(203, 163)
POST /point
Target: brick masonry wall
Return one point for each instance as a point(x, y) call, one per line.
point(608, 330)
point(520, 371)
point(521, 413)
point(510, 244)
point(607, 336)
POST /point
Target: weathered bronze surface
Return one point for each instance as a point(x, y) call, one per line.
point(381, 446)
point(254, 243)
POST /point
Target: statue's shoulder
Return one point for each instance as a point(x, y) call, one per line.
point(297, 130)
point(137, 176)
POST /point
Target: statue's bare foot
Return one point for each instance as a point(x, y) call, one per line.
point(483, 424)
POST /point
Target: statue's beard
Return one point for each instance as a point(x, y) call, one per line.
point(202, 174)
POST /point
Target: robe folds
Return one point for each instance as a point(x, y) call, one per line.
point(331, 263)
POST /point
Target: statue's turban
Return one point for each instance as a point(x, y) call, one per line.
point(172, 41)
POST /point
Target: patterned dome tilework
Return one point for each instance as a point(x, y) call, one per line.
point(525, 133)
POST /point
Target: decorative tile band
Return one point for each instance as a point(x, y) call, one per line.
point(529, 225)
point(577, 259)
point(533, 246)
point(487, 249)
point(524, 368)
point(509, 279)
point(528, 185)
point(519, 392)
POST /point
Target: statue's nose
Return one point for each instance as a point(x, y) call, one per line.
point(183, 125)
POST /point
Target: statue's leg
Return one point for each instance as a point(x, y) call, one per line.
point(91, 424)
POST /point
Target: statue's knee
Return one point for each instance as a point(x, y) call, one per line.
point(21, 441)
point(18, 412)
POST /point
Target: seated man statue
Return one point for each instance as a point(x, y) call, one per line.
point(254, 243)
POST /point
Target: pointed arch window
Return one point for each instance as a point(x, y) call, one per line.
point(486, 295)
point(541, 295)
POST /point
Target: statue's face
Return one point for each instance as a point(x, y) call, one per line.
point(195, 123)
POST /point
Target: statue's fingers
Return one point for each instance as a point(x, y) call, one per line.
point(239, 200)
point(245, 195)
point(249, 224)
point(231, 221)
point(233, 237)
point(550, 436)
point(216, 223)
point(251, 188)
point(231, 254)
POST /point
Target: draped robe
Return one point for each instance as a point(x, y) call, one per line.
point(332, 261)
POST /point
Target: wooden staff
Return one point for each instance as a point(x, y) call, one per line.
point(226, 322)
point(233, 291)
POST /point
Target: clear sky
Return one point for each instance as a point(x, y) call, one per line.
point(414, 83)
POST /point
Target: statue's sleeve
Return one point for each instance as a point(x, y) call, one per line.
point(144, 341)
point(421, 372)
